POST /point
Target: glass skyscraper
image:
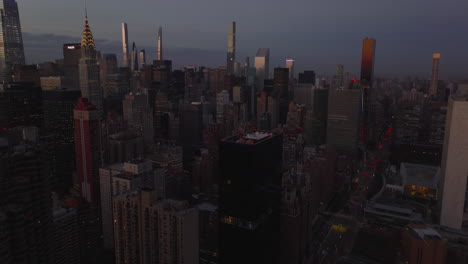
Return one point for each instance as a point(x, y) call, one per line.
point(11, 40)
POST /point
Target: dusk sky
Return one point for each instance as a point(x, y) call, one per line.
point(318, 33)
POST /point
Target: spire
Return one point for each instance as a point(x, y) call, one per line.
point(87, 41)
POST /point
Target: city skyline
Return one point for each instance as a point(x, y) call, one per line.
point(405, 43)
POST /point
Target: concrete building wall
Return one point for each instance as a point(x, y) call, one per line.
point(455, 165)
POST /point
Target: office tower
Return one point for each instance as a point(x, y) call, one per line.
point(27, 73)
point(246, 67)
point(160, 45)
point(281, 92)
point(139, 115)
point(162, 112)
point(58, 123)
point(71, 60)
point(409, 123)
point(65, 240)
point(25, 200)
point(142, 58)
point(231, 53)
point(89, 70)
point(339, 76)
point(107, 66)
point(191, 128)
point(307, 77)
point(435, 75)
point(11, 40)
point(125, 55)
point(88, 149)
point(262, 66)
point(222, 99)
point(344, 112)
point(21, 105)
point(161, 75)
point(146, 231)
point(367, 63)
point(250, 197)
point(304, 94)
point(116, 179)
point(134, 59)
point(454, 166)
point(290, 65)
point(346, 80)
point(216, 80)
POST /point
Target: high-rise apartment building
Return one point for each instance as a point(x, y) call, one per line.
point(125, 55)
point(367, 63)
point(250, 197)
point(454, 206)
point(88, 149)
point(343, 123)
point(435, 74)
point(116, 179)
point(262, 66)
point(149, 231)
point(160, 45)
point(89, 70)
point(231, 53)
point(11, 39)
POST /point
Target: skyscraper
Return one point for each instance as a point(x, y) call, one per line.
point(290, 65)
point(11, 39)
point(281, 92)
point(25, 200)
point(367, 63)
point(71, 60)
point(435, 74)
point(89, 69)
point(139, 115)
point(250, 196)
point(160, 45)
point(454, 206)
point(125, 57)
point(339, 76)
point(58, 123)
point(262, 65)
point(142, 58)
point(344, 108)
point(231, 53)
point(134, 59)
point(146, 231)
point(88, 149)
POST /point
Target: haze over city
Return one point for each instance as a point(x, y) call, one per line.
point(320, 33)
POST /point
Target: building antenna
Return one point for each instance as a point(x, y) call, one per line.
point(86, 8)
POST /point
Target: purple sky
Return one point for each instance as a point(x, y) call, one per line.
point(319, 33)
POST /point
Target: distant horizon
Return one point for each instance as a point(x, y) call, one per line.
point(318, 34)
